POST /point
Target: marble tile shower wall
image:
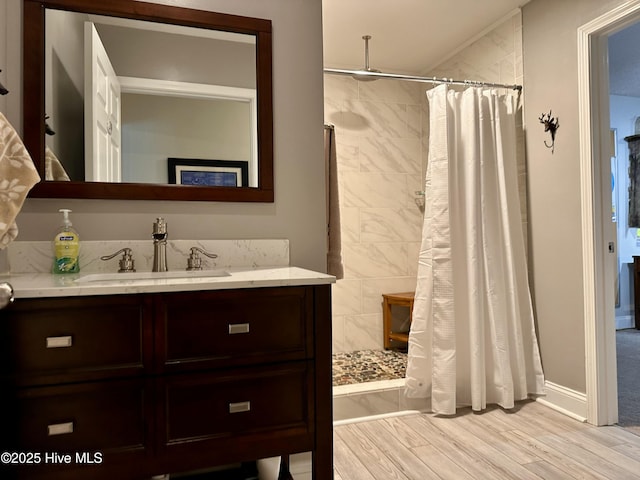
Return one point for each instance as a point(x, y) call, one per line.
point(378, 129)
point(382, 146)
point(494, 57)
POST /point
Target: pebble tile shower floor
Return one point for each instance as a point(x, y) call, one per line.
point(368, 366)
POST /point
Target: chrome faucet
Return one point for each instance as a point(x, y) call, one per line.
point(159, 245)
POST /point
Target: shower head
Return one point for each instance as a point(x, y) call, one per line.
point(366, 78)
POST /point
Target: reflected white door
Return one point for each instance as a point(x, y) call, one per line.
point(102, 112)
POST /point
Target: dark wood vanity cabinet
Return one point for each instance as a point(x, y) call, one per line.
point(132, 386)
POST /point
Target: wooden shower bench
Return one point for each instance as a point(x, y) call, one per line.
point(401, 299)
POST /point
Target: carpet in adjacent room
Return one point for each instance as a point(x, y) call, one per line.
point(628, 355)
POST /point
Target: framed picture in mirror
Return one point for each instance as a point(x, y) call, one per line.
point(201, 172)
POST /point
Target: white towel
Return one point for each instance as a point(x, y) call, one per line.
point(17, 176)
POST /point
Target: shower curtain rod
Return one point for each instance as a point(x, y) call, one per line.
point(412, 78)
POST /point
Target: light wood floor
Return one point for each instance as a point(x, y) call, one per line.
point(533, 442)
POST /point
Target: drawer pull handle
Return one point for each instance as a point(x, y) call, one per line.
point(59, 342)
point(239, 407)
point(238, 328)
point(60, 428)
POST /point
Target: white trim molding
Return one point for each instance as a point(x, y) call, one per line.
point(565, 400)
point(593, 95)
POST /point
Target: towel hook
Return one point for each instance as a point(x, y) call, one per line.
point(551, 124)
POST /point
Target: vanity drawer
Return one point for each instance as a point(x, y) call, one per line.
point(242, 402)
point(67, 339)
point(106, 417)
point(235, 327)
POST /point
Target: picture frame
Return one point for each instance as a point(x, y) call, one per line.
point(208, 173)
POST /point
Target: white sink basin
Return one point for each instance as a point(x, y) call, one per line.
point(110, 277)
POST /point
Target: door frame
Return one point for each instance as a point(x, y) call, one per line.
point(598, 267)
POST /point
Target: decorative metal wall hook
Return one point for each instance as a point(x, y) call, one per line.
point(551, 125)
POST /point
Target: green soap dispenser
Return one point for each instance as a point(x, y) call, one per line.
point(66, 247)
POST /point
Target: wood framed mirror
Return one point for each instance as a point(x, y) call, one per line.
point(256, 96)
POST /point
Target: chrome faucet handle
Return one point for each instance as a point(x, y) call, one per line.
point(127, 263)
point(194, 261)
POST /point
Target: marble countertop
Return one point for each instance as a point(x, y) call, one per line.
point(37, 285)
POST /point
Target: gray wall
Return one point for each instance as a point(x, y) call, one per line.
point(64, 88)
point(155, 127)
point(551, 83)
point(299, 209)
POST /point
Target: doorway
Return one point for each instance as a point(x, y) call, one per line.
point(599, 236)
point(624, 108)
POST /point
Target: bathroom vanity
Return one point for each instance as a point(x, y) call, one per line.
point(128, 379)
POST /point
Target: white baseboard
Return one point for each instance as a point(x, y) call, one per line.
point(369, 418)
point(625, 321)
point(565, 400)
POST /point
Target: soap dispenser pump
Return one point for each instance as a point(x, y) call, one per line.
point(66, 246)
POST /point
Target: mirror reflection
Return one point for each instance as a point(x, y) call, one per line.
point(122, 97)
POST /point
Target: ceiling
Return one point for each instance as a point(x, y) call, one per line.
point(408, 36)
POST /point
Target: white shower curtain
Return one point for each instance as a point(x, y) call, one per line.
point(472, 339)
